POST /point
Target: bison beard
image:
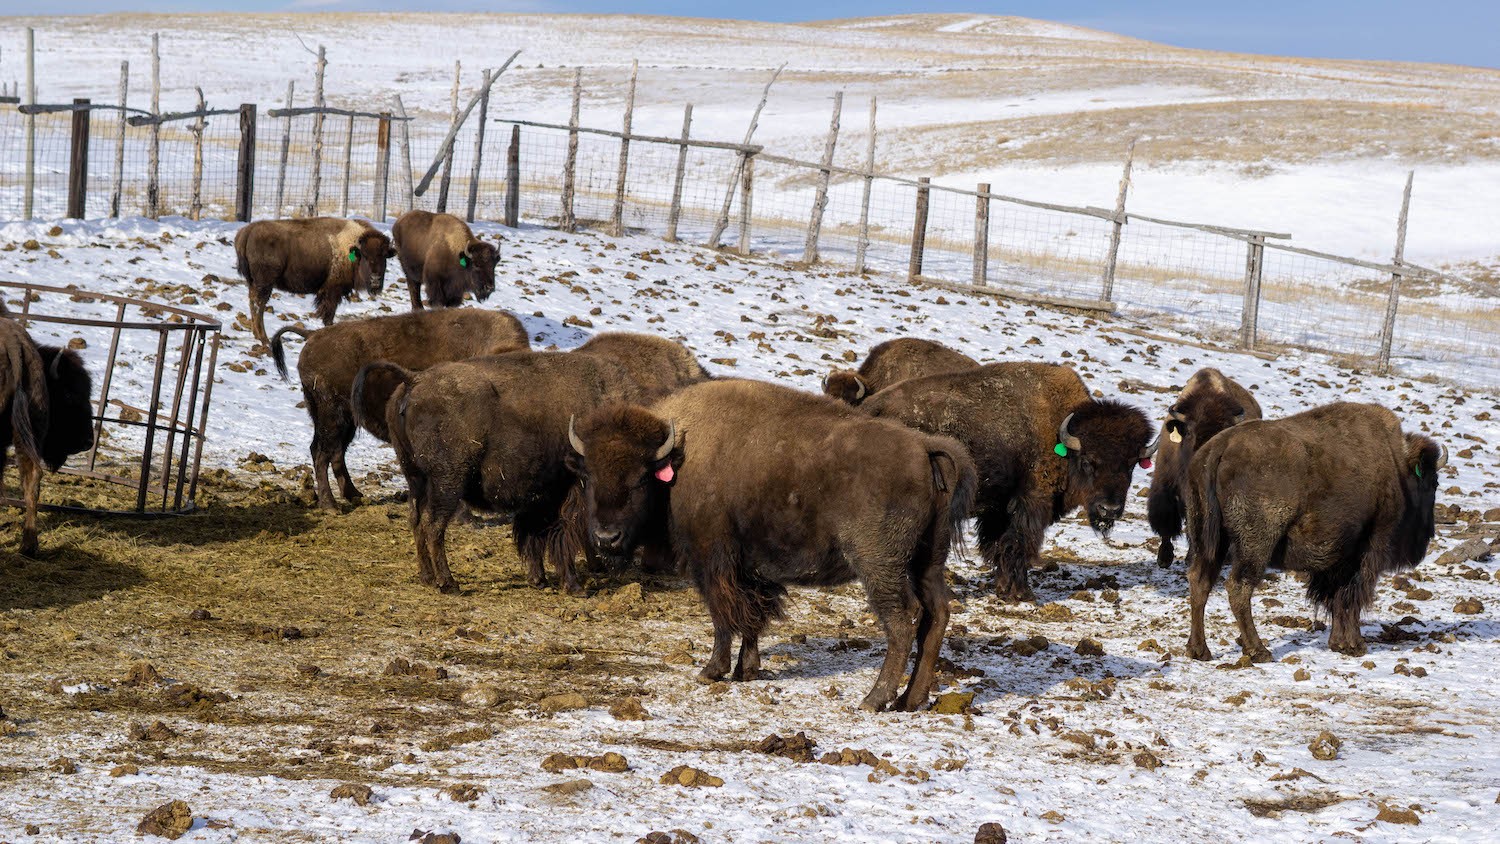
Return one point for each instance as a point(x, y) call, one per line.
point(740, 481)
point(1338, 492)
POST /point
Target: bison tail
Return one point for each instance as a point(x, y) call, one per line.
point(357, 395)
point(1205, 513)
point(1164, 506)
point(21, 409)
point(955, 481)
point(278, 353)
point(241, 255)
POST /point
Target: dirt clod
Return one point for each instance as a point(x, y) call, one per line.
point(568, 787)
point(676, 836)
point(157, 731)
point(141, 674)
point(1146, 759)
point(169, 820)
point(422, 837)
point(798, 748)
point(1089, 647)
point(1053, 816)
point(357, 792)
point(563, 702)
point(64, 765)
point(1055, 612)
point(464, 792)
point(1396, 814)
point(481, 696)
point(1325, 746)
point(953, 703)
point(124, 769)
point(990, 833)
point(1469, 606)
point(629, 709)
point(690, 777)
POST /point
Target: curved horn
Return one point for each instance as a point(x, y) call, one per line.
point(1443, 457)
point(671, 442)
point(860, 395)
point(1174, 413)
point(573, 439)
point(1067, 439)
point(1150, 450)
point(55, 370)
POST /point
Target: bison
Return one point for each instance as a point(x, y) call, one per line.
point(1337, 492)
point(492, 432)
point(441, 255)
point(755, 486)
point(892, 361)
point(1043, 448)
point(334, 355)
point(46, 412)
point(1210, 403)
point(325, 256)
point(655, 364)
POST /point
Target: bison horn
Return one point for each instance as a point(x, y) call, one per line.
point(1067, 439)
point(55, 370)
point(1150, 450)
point(1443, 457)
point(573, 439)
point(1174, 413)
point(859, 394)
point(671, 442)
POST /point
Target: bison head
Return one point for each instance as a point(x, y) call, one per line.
point(479, 259)
point(1200, 416)
point(70, 422)
point(846, 386)
point(626, 459)
point(1102, 442)
point(1424, 458)
point(369, 255)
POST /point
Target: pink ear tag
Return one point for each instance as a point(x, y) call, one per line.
point(665, 474)
point(1146, 463)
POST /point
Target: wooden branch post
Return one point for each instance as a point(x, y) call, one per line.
point(153, 164)
point(78, 161)
point(286, 142)
point(484, 110)
point(617, 213)
point(1388, 328)
point(29, 191)
point(445, 148)
point(674, 213)
point(982, 234)
point(747, 204)
point(195, 207)
point(1255, 260)
point(382, 163)
point(919, 231)
point(244, 181)
point(409, 199)
point(117, 188)
point(570, 163)
point(348, 162)
point(863, 246)
point(447, 177)
point(513, 179)
point(820, 200)
point(722, 222)
point(317, 162)
point(1117, 225)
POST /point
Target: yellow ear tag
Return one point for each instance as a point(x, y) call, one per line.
point(1174, 436)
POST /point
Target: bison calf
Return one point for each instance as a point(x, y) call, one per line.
point(755, 486)
point(1337, 492)
point(441, 255)
point(333, 356)
point(1210, 403)
point(893, 361)
point(45, 412)
point(328, 257)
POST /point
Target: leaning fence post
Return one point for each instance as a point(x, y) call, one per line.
point(820, 200)
point(722, 222)
point(442, 201)
point(286, 142)
point(674, 213)
point(1255, 258)
point(30, 187)
point(747, 206)
point(982, 234)
point(617, 213)
point(570, 162)
point(1388, 329)
point(484, 109)
point(317, 162)
point(119, 174)
point(348, 162)
point(195, 207)
point(1117, 224)
point(153, 165)
point(78, 160)
point(244, 193)
point(513, 179)
point(918, 231)
point(382, 163)
point(864, 203)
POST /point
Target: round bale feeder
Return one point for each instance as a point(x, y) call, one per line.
point(151, 396)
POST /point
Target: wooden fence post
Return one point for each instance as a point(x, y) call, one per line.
point(29, 194)
point(484, 110)
point(382, 163)
point(348, 162)
point(675, 212)
point(153, 164)
point(442, 201)
point(1117, 225)
point(919, 231)
point(820, 200)
point(747, 196)
point(617, 213)
point(570, 163)
point(513, 179)
point(982, 234)
point(317, 164)
point(78, 161)
point(1388, 328)
point(286, 142)
point(118, 186)
point(195, 207)
point(409, 198)
point(864, 204)
point(244, 183)
point(1255, 259)
point(722, 222)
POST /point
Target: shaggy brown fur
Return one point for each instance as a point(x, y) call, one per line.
point(657, 364)
point(763, 486)
point(1210, 403)
point(440, 254)
point(893, 361)
point(1008, 415)
point(44, 411)
point(334, 355)
point(328, 257)
point(1337, 492)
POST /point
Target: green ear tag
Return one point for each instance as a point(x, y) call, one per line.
point(1419, 471)
point(1062, 450)
point(463, 260)
point(353, 255)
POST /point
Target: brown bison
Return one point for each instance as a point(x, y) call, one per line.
point(1337, 492)
point(334, 355)
point(1210, 403)
point(45, 412)
point(1043, 448)
point(492, 432)
point(892, 361)
point(754, 486)
point(325, 256)
point(655, 364)
point(441, 255)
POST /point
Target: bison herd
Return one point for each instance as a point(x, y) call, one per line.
point(626, 448)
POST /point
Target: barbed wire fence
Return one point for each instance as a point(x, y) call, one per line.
point(1234, 287)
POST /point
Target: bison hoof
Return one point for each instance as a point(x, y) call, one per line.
point(708, 675)
point(29, 548)
point(1199, 651)
point(871, 703)
point(1259, 655)
point(1014, 594)
point(1165, 555)
point(1355, 649)
point(449, 587)
point(575, 590)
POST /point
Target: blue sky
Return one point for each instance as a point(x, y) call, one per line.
point(1450, 31)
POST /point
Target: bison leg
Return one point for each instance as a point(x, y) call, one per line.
point(718, 661)
point(31, 490)
point(932, 592)
point(433, 535)
point(413, 273)
point(1241, 589)
point(530, 533)
point(1202, 574)
point(1009, 545)
point(896, 604)
point(258, 300)
point(1344, 636)
point(326, 304)
point(346, 431)
point(747, 667)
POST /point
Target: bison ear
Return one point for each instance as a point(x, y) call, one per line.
point(390, 252)
point(1239, 414)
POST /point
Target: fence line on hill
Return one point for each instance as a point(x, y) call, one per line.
point(1237, 287)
